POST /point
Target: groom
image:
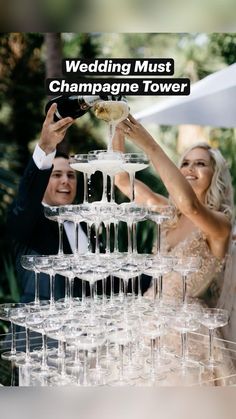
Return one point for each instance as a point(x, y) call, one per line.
point(47, 180)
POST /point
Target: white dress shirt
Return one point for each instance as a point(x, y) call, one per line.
point(44, 161)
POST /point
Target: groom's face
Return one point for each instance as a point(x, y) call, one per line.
point(61, 189)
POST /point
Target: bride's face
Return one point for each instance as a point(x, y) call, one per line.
point(198, 170)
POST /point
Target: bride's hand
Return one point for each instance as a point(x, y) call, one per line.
point(137, 133)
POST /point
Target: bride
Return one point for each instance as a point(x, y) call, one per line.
point(201, 190)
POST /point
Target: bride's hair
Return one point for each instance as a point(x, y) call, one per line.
point(219, 195)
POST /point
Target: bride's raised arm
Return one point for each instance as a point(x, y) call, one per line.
point(214, 224)
point(143, 194)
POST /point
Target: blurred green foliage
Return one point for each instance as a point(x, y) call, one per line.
point(22, 100)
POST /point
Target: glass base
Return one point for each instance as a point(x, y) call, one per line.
point(62, 380)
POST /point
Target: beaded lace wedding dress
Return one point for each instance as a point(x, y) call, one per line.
point(204, 288)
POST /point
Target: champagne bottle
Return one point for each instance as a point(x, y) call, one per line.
point(75, 106)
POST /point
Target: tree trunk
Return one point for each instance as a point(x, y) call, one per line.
point(54, 69)
point(53, 54)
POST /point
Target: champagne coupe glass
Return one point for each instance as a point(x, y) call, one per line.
point(43, 322)
point(185, 266)
point(63, 266)
point(44, 264)
point(90, 270)
point(91, 216)
point(88, 341)
point(185, 322)
point(130, 268)
point(53, 213)
point(72, 213)
point(156, 266)
point(134, 162)
point(113, 112)
point(28, 262)
point(106, 212)
point(66, 333)
point(6, 315)
point(80, 162)
point(131, 214)
point(212, 318)
point(159, 214)
point(121, 335)
point(153, 327)
point(20, 317)
point(109, 163)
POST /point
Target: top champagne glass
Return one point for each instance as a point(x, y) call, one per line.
point(113, 112)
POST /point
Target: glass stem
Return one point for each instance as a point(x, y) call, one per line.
point(63, 359)
point(160, 287)
point(83, 290)
point(111, 132)
point(67, 287)
point(44, 350)
point(108, 237)
point(134, 237)
point(92, 289)
point(116, 231)
point(52, 289)
point(71, 289)
point(85, 188)
point(211, 337)
point(154, 288)
point(89, 237)
point(121, 353)
point(112, 286)
point(85, 381)
point(112, 188)
point(158, 237)
point(76, 237)
point(104, 192)
point(97, 238)
point(139, 287)
point(27, 342)
point(153, 346)
point(184, 283)
point(36, 284)
point(13, 338)
point(183, 346)
point(60, 227)
point(132, 193)
point(129, 228)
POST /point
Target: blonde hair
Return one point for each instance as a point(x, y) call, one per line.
point(219, 196)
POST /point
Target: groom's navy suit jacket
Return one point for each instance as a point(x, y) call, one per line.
point(33, 233)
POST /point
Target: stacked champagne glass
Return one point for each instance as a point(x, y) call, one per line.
point(116, 338)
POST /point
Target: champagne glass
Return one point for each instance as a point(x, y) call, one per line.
point(153, 327)
point(134, 162)
point(156, 266)
point(80, 162)
point(159, 214)
point(185, 266)
point(112, 112)
point(213, 318)
point(44, 263)
point(106, 213)
point(6, 314)
point(131, 214)
point(185, 322)
point(53, 213)
point(73, 213)
point(28, 262)
point(109, 163)
point(63, 266)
